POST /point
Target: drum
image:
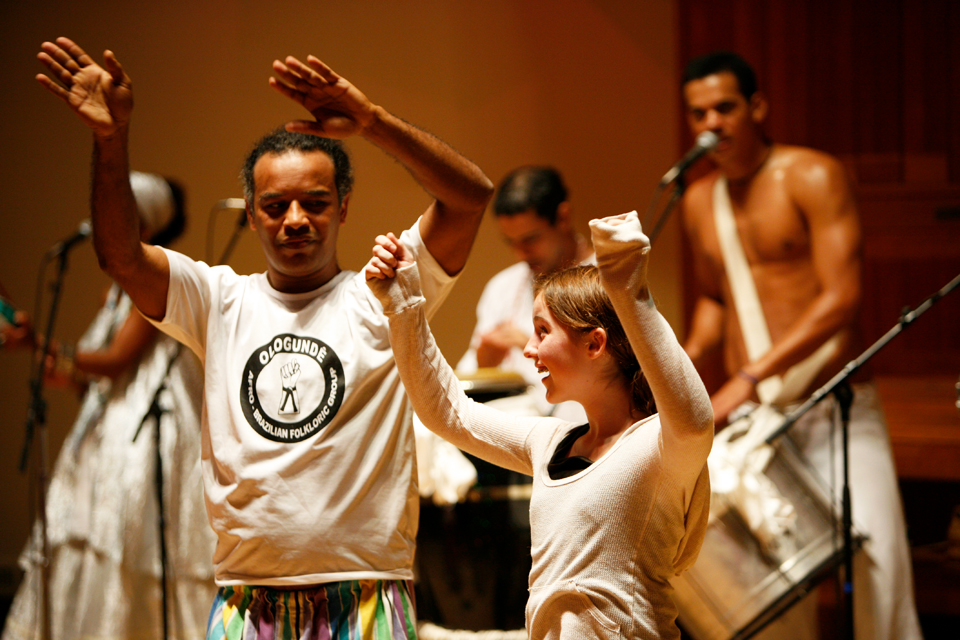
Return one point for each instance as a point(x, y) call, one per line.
point(737, 584)
point(487, 384)
point(473, 557)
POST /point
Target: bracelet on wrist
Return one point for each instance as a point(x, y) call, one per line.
point(749, 378)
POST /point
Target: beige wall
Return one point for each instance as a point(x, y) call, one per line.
point(585, 85)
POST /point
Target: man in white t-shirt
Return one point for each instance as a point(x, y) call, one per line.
point(535, 218)
point(307, 452)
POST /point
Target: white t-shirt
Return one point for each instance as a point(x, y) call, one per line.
point(308, 450)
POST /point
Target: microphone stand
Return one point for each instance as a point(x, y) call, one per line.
point(156, 411)
point(706, 141)
point(238, 229)
point(227, 204)
point(678, 189)
point(36, 425)
point(840, 387)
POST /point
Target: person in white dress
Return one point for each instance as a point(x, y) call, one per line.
point(103, 531)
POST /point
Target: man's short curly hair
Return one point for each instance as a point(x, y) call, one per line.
point(718, 62)
point(281, 141)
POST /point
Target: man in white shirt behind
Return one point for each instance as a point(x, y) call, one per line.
point(534, 215)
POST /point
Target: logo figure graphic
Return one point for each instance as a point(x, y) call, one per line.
point(289, 374)
point(308, 397)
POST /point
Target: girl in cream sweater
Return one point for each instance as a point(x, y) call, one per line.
point(619, 505)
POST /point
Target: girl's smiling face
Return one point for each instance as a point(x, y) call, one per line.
point(558, 352)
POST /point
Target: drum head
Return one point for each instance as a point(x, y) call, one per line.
point(489, 383)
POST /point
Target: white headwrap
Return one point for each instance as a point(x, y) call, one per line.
point(154, 200)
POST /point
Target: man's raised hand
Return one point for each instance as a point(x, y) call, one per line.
point(340, 109)
point(101, 96)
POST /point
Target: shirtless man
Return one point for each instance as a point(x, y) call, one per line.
point(797, 221)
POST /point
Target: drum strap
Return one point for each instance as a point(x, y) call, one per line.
point(776, 390)
point(740, 455)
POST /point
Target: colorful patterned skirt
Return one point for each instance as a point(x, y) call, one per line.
point(349, 610)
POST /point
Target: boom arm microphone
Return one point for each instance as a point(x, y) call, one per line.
point(234, 204)
point(706, 141)
point(82, 233)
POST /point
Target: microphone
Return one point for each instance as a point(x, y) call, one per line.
point(706, 141)
point(82, 233)
point(234, 204)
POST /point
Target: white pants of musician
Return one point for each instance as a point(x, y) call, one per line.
point(883, 595)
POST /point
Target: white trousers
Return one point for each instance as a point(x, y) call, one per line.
point(883, 594)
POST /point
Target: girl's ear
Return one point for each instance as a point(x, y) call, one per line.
point(596, 341)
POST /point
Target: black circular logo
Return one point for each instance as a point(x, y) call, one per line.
point(292, 388)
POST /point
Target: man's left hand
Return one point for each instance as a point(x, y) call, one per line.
point(341, 110)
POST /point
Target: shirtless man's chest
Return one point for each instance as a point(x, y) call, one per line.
point(774, 234)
